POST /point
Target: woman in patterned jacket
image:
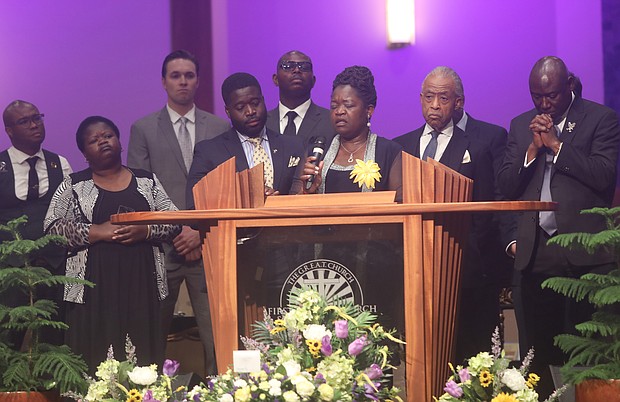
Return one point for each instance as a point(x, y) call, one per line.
point(125, 262)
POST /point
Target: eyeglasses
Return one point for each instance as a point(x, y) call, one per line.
point(291, 65)
point(26, 121)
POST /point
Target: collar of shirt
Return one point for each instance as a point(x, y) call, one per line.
point(248, 147)
point(463, 122)
point(174, 116)
point(20, 157)
point(301, 111)
point(447, 130)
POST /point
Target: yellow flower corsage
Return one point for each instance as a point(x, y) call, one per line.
point(365, 173)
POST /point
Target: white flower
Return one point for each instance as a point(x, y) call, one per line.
point(226, 398)
point(326, 392)
point(143, 375)
point(304, 388)
point(240, 383)
point(275, 388)
point(316, 332)
point(480, 362)
point(513, 379)
point(290, 396)
point(292, 368)
point(527, 395)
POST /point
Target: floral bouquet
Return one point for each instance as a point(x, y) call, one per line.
point(489, 377)
point(318, 351)
point(125, 381)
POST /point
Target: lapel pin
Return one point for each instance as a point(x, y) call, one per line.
point(275, 150)
point(54, 165)
point(3, 167)
point(571, 127)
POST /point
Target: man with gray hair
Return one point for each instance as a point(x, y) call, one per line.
point(440, 139)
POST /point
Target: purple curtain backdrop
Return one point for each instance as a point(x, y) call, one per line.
point(74, 58)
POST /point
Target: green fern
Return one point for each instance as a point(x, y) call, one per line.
point(595, 352)
point(38, 365)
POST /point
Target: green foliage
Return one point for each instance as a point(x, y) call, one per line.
point(595, 352)
point(37, 365)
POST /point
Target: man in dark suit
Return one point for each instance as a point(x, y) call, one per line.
point(162, 143)
point(296, 114)
point(29, 176)
point(564, 150)
point(245, 106)
point(471, 154)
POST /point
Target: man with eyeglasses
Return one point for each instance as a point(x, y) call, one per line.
point(296, 114)
point(29, 176)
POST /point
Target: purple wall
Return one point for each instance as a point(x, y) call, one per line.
point(491, 44)
point(74, 58)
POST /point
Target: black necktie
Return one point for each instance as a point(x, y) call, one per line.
point(290, 126)
point(431, 148)
point(33, 179)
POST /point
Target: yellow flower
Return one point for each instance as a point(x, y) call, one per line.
point(503, 397)
point(532, 380)
point(134, 396)
point(486, 378)
point(280, 326)
point(314, 347)
point(365, 173)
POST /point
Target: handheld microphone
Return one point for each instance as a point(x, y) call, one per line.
point(318, 151)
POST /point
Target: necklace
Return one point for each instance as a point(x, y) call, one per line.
point(350, 160)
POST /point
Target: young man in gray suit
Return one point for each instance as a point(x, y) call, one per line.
point(296, 114)
point(163, 143)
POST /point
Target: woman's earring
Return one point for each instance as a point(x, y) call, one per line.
point(368, 124)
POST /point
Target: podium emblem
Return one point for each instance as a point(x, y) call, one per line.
point(330, 279)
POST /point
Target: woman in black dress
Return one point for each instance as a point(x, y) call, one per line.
point(124, 262)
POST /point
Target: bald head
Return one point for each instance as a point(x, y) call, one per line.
point(550, 87)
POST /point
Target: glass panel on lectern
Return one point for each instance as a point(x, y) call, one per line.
point(360, 263)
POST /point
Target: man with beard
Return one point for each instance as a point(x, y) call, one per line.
point(564, 150)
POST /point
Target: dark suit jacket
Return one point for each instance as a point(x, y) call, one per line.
point(287, 154)
point(584, 176)
point(316, 122)
point(480, 264)
point(153, 146)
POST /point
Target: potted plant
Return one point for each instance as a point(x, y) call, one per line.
point(36, 366)
point(595, 350)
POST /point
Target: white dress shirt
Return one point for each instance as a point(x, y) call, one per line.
point(442, 140)
point(21, 168)
point(190, 124)
point(301, 111)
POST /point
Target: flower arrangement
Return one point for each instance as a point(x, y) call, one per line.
point(317, 351)
point(125, 381)
point(365, 173)
point(489, 377)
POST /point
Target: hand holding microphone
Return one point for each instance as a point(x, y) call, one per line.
point(318, 152)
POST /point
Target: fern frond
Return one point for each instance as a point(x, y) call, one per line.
point(63, 365)
point(575, 288)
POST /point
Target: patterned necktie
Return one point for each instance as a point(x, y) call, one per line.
point(431, 148)
point(33, 179)
point(290, 126)
point(260, 156)
point(185, 142)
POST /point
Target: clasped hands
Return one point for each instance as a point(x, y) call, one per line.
point(544, 136)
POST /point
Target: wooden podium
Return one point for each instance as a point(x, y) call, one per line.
point(434, 216)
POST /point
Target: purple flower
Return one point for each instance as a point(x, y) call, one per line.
point(374, 371)
point(355, 347)
point(342, 328)
point(170, 367)
point(148, 397)
point(319, 378)
point(326, 346)
point(453, 389)
point(369, 391)
point(464, 375)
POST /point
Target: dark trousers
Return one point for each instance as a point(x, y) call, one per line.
point(542, 313)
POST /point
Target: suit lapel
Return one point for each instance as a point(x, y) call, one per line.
point(234, 148)
point(166, 130)
point(278, 156)
point(273, 120)
point(201, 126)
point(311, 119)
point(455, 151)
point(573, 121)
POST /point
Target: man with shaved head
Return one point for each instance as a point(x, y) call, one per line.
point(563, 150)
point(296, 113)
